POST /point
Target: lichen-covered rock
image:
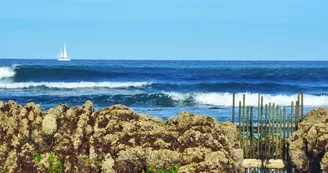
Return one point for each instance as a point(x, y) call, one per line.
point(309, 144)
point(2, 105)
point(11, 164)
point(113, 139)
point(49, 124)
point(191, 155)
point(108, 164)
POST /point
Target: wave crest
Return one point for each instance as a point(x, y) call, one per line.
point(225, 99)
point(7, 72)
point(72, 85)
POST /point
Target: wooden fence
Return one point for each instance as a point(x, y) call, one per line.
point(266, 138)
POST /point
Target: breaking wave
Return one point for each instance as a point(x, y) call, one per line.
point(7, 72)
point(171, 99)
point(225, 99)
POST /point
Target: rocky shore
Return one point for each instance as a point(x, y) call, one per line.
point(309, 144)
point(113, 139)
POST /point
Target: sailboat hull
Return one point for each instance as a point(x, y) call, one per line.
point(63, 59)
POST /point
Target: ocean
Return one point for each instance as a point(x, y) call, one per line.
point(163, 88)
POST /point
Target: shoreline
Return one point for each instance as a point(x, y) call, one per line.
point(117, 139)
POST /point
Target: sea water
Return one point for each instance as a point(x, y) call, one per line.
point(164, 88)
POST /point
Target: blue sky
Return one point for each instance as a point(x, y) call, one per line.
point(165, 29)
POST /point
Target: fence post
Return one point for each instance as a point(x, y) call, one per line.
point(292, 115)
point(280, 140)
point(233, 108)
point(247, 129)
point(251, 132)
point(299, 105)
point(269, 129)
point(277, 131)
point(265, 131)
point(239, 121)
point(302, 105)
point(258, 123)
point(272, 131)
point(284, 133)
point(261, 128)
point(242, 117)
point(297, 114)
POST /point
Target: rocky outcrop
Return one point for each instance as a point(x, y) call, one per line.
point(309, 144)
point(113, 139)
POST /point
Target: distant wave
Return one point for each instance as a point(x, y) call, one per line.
point(228, 86)
point(7, 72)
point(72, 85)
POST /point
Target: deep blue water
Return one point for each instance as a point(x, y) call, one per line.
point(172, 86)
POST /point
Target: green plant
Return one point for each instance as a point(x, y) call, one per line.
point(172, 169)
point(54, 166)
point(37, 157)
point(149, 170)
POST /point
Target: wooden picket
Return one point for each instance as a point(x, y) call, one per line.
point(267, 139)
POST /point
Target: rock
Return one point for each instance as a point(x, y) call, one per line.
point(88, 106)
point(11, 164)
point(2, 105)
point(108, 164)
point(308, 145)
point(23, 129)
point(31, 116)
point(324, 163)
point(162, 158)
point(113, 139)
point(12, 105)
point(49, 124)
point(27, 156)
point(195, 155)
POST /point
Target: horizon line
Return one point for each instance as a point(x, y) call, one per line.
point(158, 59)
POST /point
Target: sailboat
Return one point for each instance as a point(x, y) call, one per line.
point(62, 54)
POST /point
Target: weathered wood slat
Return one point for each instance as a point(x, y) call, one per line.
point(266, 137)
point(233, 108)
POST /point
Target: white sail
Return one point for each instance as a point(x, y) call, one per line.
point(65, 52)
point(62, 54)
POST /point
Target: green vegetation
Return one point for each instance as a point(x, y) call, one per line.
point(172, 169)
point(55, 166)
point(37, 157)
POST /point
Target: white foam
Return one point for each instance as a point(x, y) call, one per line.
point(72, 85)
point(6, 72)
point(225, 99)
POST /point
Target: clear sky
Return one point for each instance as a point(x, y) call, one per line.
point(165, 29)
